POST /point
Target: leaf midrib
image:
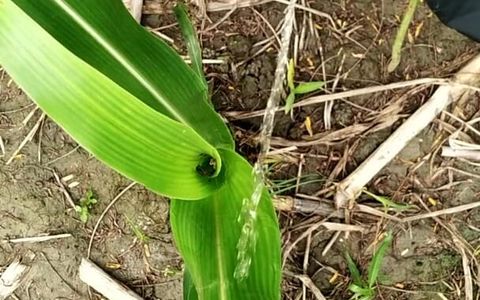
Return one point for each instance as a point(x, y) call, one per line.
point(121, 59)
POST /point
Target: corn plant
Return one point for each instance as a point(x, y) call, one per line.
point(130, 100)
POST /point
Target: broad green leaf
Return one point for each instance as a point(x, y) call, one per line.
point(104, 118)
point(104, 35)
point(289, 102)
point(377, 260)
point(206, 233)
point(193, 46)
point(291, 75)
point(354, 272)
point(309, 87)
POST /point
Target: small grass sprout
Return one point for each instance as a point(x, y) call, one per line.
point(361, 289)
point(387, 202)
point(282, 186)
point(299, 89)
point(138, 231)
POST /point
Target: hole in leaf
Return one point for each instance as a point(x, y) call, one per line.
point(207, 166)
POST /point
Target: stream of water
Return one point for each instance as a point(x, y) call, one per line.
point(248, 216)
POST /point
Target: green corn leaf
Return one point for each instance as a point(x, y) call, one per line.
point(128, 98)
point(309, 87)
point(193, 46)
point(104, 118)
point(105, 36)
point(377, 260)
point(289, 102)
point(207, 232)
point(189, 292)
point(354, 272)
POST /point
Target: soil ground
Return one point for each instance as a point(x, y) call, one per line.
point(424, 260)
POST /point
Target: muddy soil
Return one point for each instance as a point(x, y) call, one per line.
point(423, 260)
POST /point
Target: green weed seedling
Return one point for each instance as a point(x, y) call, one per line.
point(85, 206)
point(387, 202)
point(401, 34)
point(138, 231)
point(299, 89)
point(361, 289)
point(279, 187)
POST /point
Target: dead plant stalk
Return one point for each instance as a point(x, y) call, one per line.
point(12, 278)
point(95, 277)
point(351, 186)
point(135, 7)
